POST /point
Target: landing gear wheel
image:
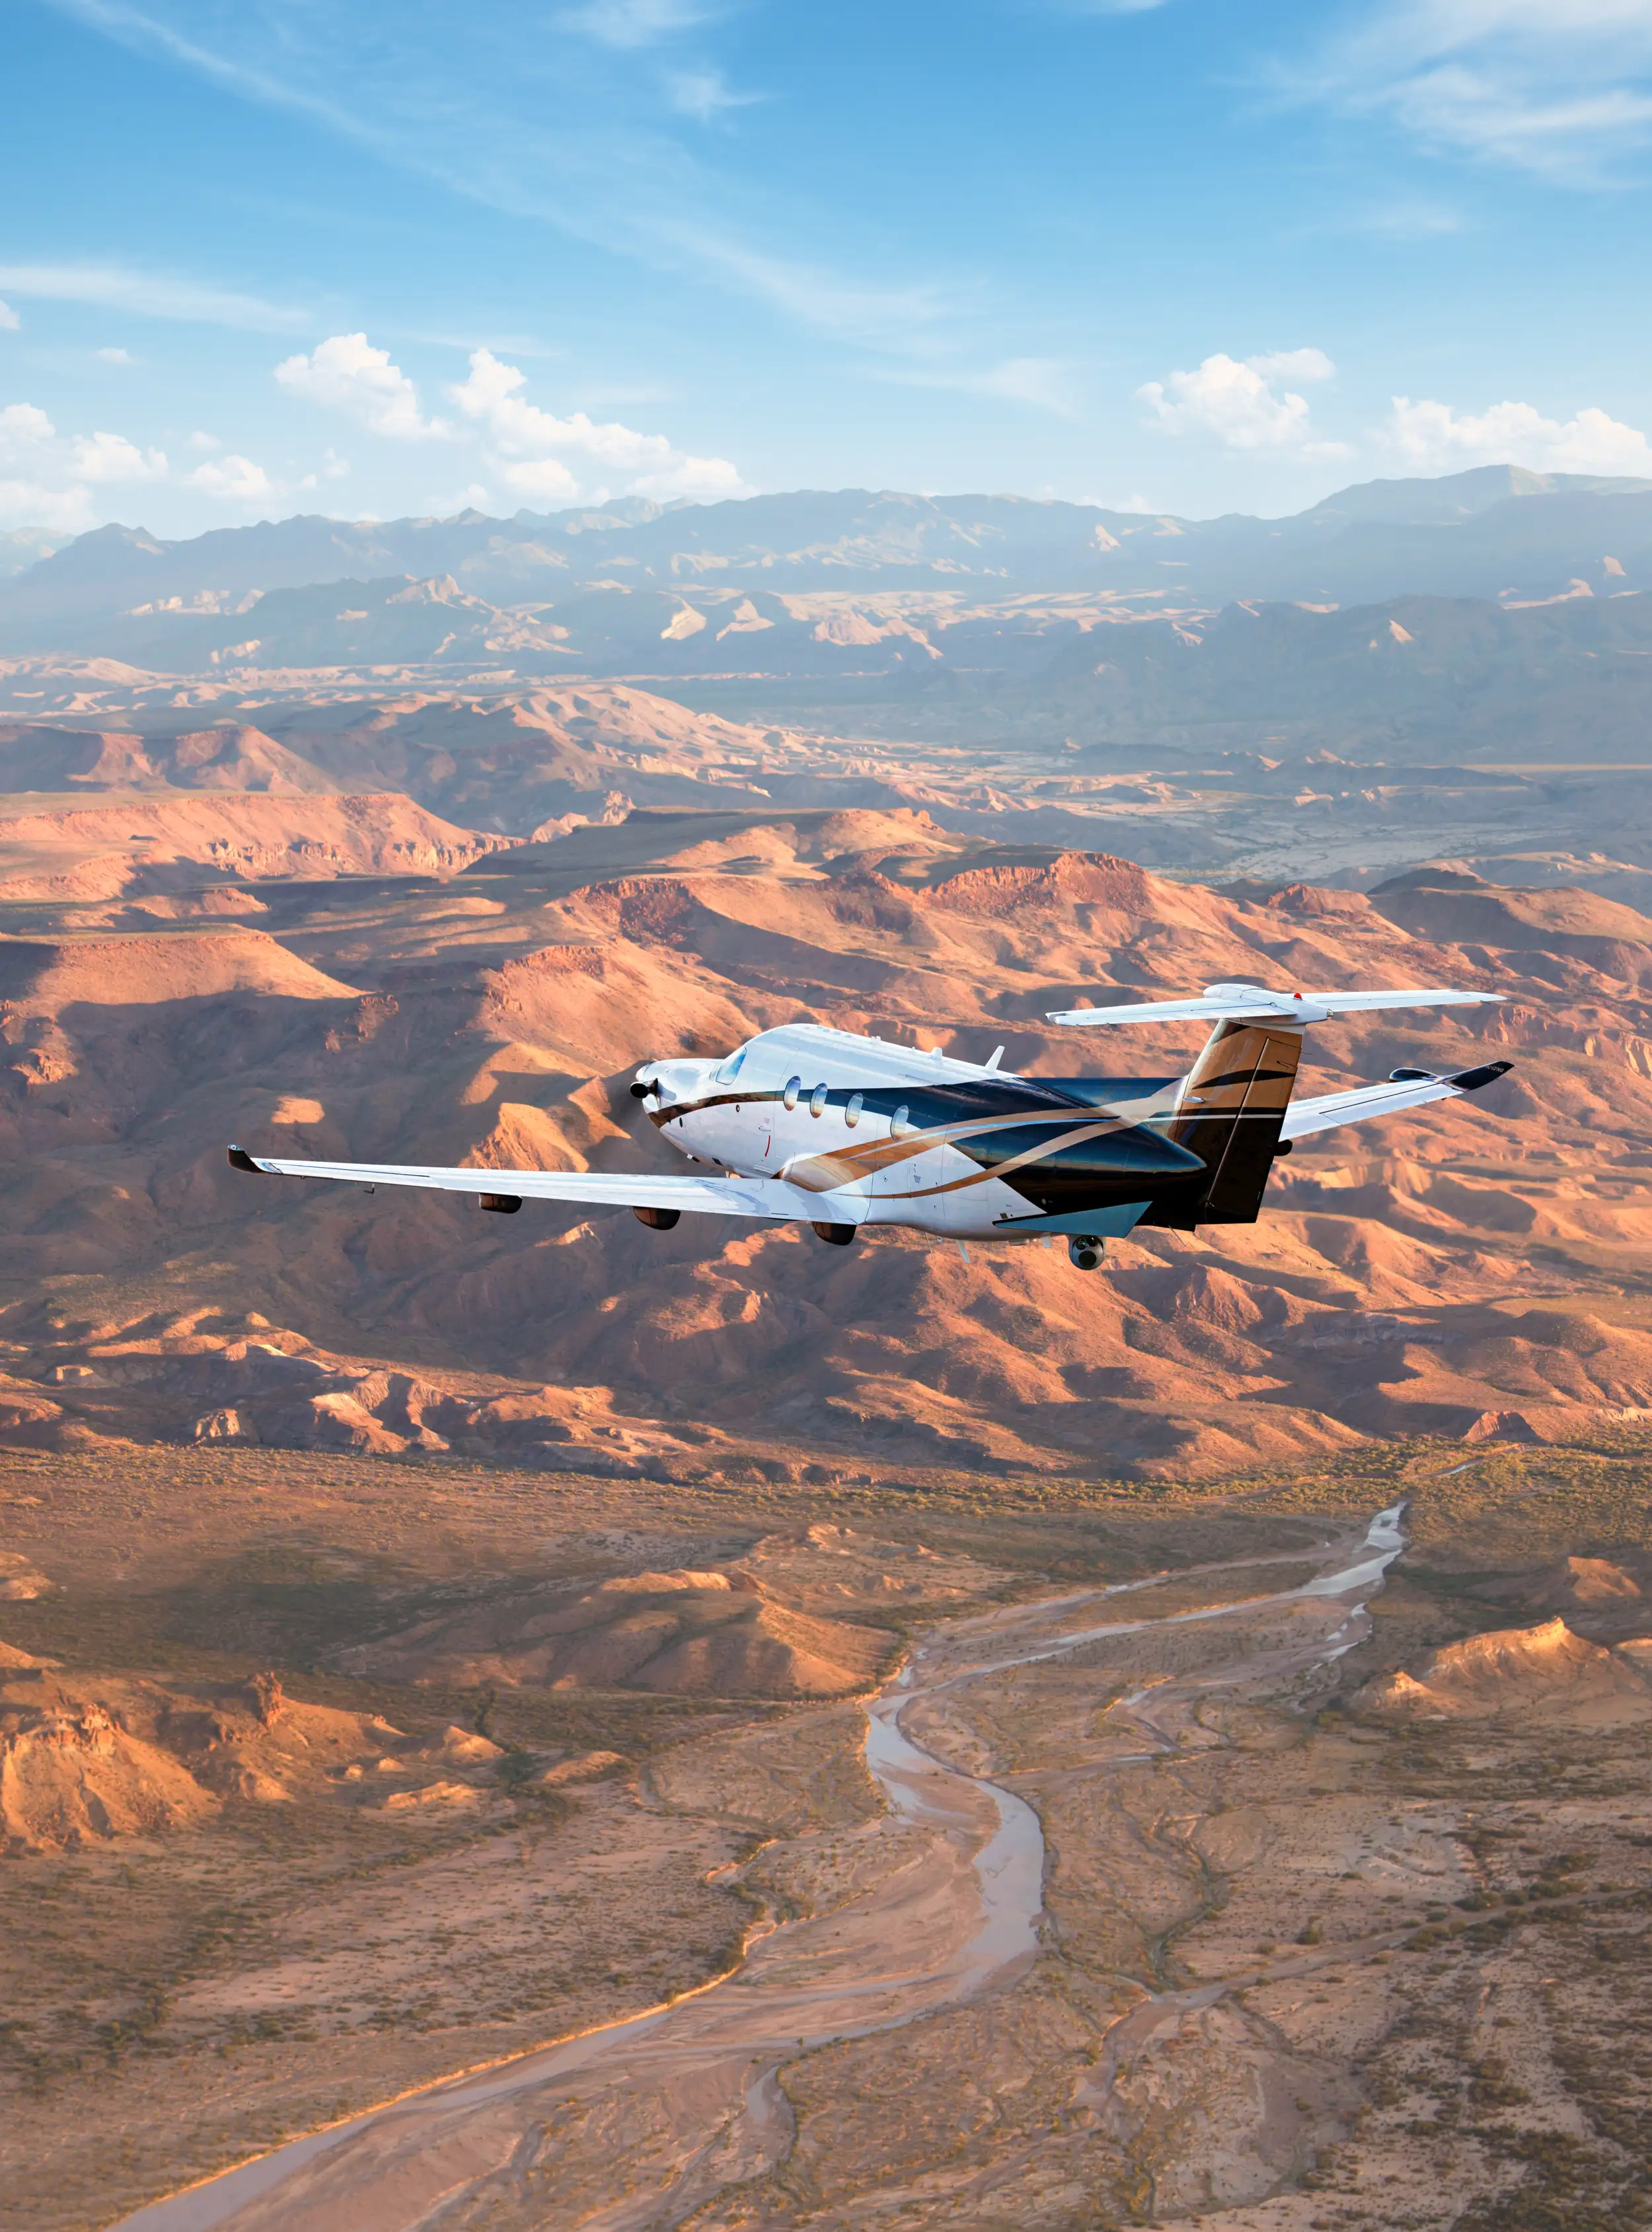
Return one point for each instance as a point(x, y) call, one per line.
point(1084, 1252)
point(835, 1235)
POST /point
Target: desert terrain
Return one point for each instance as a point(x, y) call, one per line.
point(387, 985)
point(589, 1725)
point(1273, 1857)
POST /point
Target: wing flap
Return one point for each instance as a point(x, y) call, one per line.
point(727, 1196)
point(1303, 1118)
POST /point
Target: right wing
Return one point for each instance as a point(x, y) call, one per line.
point(727, 1196)
point(1416, 1090)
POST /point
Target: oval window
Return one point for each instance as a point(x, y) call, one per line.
point(898, 1126)
point(794, 1086)
point(856, 1102)
point(818, 1101)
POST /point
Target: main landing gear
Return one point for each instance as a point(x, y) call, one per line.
point(1084, 1252)
point(835, 1235)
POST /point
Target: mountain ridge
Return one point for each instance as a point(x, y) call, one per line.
point(1457, 534)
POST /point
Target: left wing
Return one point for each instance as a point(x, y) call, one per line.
point(727, 1196)
point(1407, 1088)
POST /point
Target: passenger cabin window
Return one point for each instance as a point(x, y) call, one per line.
point(730, 1069)
point(851, 1113)
point(818, 1101)
point(794, 1086)
point(899, 1125)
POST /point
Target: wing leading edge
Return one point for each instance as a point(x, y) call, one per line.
point(727, 1196)
point(1405, 1089)
point(1254, 1002)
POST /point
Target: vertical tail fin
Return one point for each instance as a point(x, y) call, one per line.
point(1231, 1110)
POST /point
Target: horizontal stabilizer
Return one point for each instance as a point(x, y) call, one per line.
point(1405, 1089)
point(728, 1196)
point(1244, 1002)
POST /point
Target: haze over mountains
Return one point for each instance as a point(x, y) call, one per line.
point(1471, 533)
point(1496, 612)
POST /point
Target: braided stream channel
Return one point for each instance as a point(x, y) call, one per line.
point(680, 2103)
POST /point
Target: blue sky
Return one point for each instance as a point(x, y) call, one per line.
point(265, 256)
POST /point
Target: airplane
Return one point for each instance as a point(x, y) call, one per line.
point(806, 1125)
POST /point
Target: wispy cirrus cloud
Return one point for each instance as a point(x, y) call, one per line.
point(628, 25)
point(1559, 88)
point(148, 294)
point(582, 128)
point(1047, 383)
point(705, 94)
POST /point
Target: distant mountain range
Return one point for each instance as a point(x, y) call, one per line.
point(1494, 613)
point(1495, 531)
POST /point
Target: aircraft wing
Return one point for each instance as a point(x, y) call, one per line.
point(1254, 1002)
point(724, 1196)
point(1406, 1089)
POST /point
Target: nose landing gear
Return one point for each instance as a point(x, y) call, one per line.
point(1084, 1252)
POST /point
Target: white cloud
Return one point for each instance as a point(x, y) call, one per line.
point(1433, 438)
point(197, 440)
point(333, 468)
point(554, 460)
point(1243, 406)
point(231, 479)
point(10, 321)
point(24, 423)
point(147, 294)
point(112, 458)
point(113, 355)
point(344, 372)
point(1309, 364)
point(46, 479)
point(1562, 89)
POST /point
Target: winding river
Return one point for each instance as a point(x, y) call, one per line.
point(690, 2093)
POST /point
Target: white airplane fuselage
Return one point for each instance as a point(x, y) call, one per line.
point(888, 1134)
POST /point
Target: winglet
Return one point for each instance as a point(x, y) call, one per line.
point(241, 1160)
point(1471, 1080)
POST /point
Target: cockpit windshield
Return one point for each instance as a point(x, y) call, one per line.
point(730, 1069)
